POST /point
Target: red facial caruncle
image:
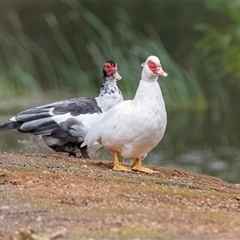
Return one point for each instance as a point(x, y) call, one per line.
point(110, 68)
point(156, 68)
point(153, 66)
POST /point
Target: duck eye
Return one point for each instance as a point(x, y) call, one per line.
point(107, 66)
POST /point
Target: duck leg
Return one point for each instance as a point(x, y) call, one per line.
point(117, 166)
point(84, 152)
point(137, 166)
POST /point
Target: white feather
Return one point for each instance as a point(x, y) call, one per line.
point(13, 119)
point(133, 128)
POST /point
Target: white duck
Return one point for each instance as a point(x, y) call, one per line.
point(63, 125)
point(132, 128)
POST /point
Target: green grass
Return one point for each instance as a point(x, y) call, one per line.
point(26, 66)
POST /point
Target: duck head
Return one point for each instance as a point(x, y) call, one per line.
point(110, 71)
point(152, 68)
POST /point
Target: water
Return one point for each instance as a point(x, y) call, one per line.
point(203, 143)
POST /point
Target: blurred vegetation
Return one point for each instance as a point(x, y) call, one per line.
point(219, 50)
point(62, 46)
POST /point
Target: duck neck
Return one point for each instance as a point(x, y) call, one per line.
point(108, 86)
point(148, 77)
point(148, 91)
point(109, 95)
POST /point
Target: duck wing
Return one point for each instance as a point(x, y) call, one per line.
point(47, 119)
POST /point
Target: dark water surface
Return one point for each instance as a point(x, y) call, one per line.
point(203, 143)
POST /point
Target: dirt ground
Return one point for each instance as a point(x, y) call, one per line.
point(49, 196)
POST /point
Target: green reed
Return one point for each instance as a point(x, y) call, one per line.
point(26, 66)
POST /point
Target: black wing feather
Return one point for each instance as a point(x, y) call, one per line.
point(78, 106)
point(38, 120)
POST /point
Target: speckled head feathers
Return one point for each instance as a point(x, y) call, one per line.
point(110, 70)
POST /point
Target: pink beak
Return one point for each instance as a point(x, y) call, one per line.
point(117, 76)
point(160, 72)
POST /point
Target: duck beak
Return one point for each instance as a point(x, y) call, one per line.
point(160, 72)
point(117, 76)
